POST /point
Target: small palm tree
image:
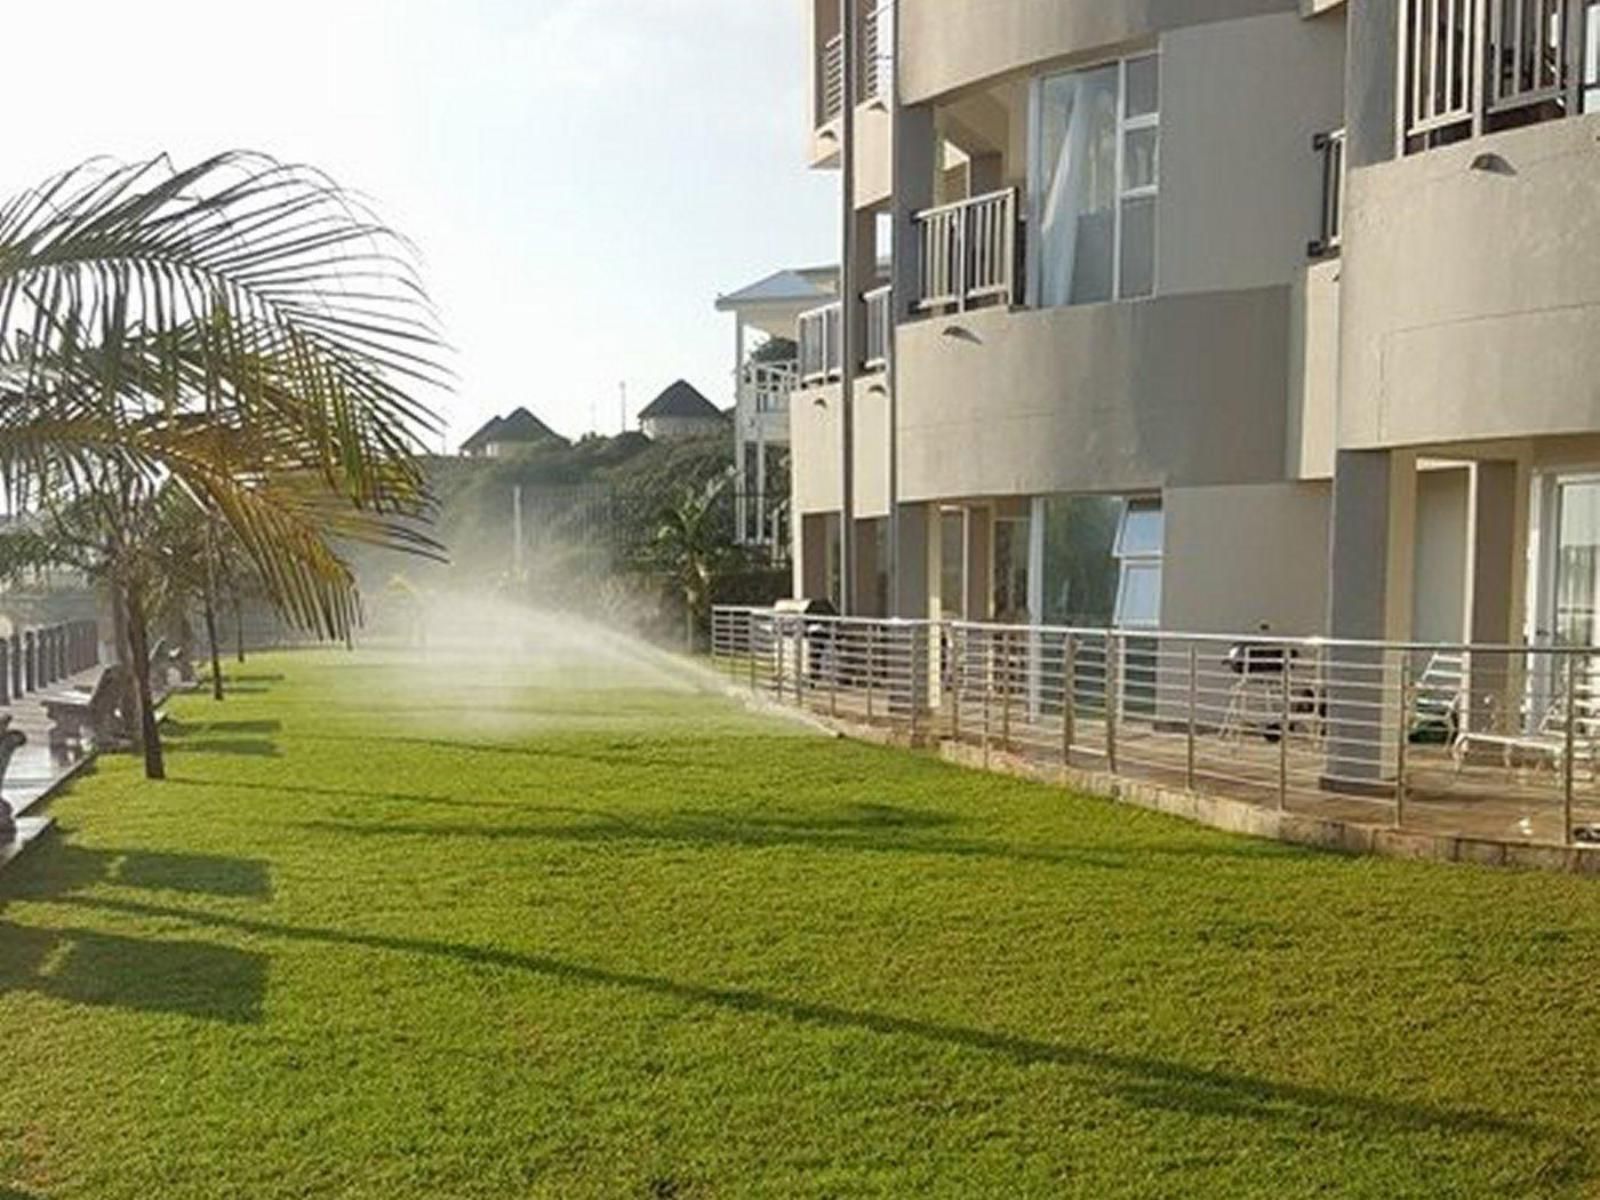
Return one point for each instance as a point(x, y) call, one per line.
point(690, 546)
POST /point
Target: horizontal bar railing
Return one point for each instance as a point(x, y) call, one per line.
point(1494, 742)
point(830, 90)
point(770, 383)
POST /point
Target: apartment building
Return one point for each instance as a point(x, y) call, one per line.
point(1211, 315)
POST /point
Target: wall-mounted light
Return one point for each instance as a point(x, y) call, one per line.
point(1493, 164)
point(961, 334)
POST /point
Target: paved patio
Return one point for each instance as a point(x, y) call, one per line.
point(39, 767)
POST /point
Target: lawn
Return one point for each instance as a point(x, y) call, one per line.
point(572, 928)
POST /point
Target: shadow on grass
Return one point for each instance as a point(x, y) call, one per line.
point(57, 868)
point(146, 975)
point(202, 728)
point(335, 793)
point(187, 744)
point(872, 829)
point(1140, 1080)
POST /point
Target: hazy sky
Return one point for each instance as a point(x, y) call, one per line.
point(582, 176)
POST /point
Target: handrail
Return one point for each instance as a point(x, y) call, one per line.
point(969, 251)
point(1270, 721)
point(1330, 147)
point(821, 355)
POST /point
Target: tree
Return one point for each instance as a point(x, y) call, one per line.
point(241, 331)
point(690, 547)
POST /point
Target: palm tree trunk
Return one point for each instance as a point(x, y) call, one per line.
point(211, 638)
point(124, 649)
point(155, 766)
point(238, 627)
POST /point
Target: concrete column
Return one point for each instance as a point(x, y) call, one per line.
point(1372, 68)
point(17, 665)
point(867, 603)
point(1370, 592)
point(30, 661)
point(978, 570)
point(912, 595)
point(1496, 566)
point(811, 556)
point(915, 167)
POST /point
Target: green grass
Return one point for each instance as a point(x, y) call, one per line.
point(561, 933)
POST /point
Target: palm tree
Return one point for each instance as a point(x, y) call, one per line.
point(690, 546)
point(242, 331)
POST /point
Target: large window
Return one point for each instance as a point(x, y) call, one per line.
point(1095, 173)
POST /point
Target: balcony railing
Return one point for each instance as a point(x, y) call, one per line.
point(880, 314)
point(877, 49)
point(1330, 148)
point(830, 87)
point(969, 252)
point(768, 384)
point(1474, 66)
point(820, 355)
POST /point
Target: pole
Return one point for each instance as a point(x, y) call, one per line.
point(891, 370)
point(849, 287)
point(516, 529)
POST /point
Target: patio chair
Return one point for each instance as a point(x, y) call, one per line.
point(1438, 699)
point(1546, 743)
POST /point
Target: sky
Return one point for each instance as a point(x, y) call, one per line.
point(582, 177)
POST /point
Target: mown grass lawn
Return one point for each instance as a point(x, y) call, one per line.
point(562, 930)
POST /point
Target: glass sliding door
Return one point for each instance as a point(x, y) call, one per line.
point(1576, 585)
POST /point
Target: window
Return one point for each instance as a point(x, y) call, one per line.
point(1096, 170)
point(1138, 549)
point(952, 562)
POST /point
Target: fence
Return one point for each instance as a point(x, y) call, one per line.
point(33, 659)
point(1492, 742)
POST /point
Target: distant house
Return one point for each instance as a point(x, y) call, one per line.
point(681, 412)
point(502, 435)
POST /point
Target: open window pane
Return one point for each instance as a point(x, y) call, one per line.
point(1141, 529)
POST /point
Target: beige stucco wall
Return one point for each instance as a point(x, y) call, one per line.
point(1472, 297)
point(1241, 187)
point(950, 44)
point(814, 437)
point(1236, 557)
point(1108, 397)
point(1439, 591)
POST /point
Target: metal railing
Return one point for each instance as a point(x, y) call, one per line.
point(821, 352)
point(33, 659)
point(969, 252)
point(880, 314)
point(768, 384)
point(1493, 743)
point(877, 50)
point(830, 83)
point(1472, 66)
point(1329, 147)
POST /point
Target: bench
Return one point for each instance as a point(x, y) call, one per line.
point(11, 740)
point(1548, 742)
point(97, 712)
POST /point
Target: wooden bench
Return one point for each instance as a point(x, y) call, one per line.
point(97, 712)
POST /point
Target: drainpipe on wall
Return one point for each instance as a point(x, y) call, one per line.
point(848, 288)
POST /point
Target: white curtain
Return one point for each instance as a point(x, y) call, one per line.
point(1077, 156)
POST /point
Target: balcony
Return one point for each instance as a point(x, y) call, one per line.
point(768, 384)
point(830, 89)
point(970, 253)
point(1478, 66)
point(821, 348)
point(1330, 148)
